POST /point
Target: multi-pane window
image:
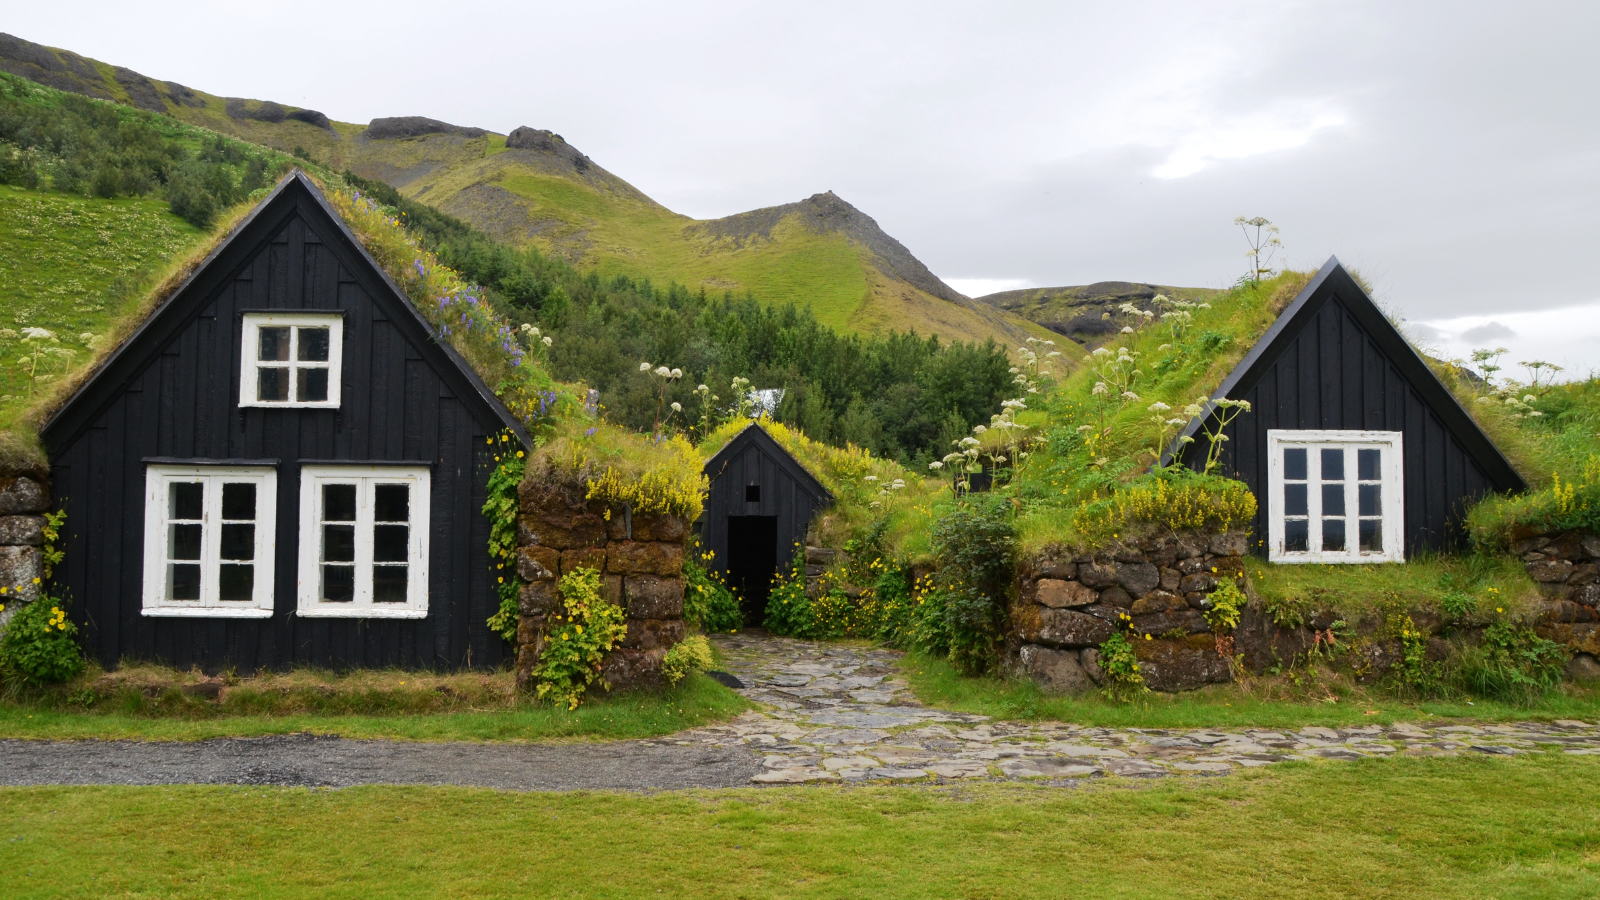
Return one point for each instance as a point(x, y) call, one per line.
point(208, 540)
point(1334, 496)
point(364, 541)
point(291, 360)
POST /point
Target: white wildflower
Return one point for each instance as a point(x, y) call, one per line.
point(677, 373)
point(37, 334)
point(644, 367)
point(870, 478)
point(677, 407)
point(546, 340)
point(936, 465)
point(979, 429)
point(1158, 406)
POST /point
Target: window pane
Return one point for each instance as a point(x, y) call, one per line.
point(1295, 535)
point(1332, 464)
point(391, 503)
point(274, 344)
point(339, 583)
point(272, 384)
point(311, 385)
point(338, 543)
point(1371, 499)
point(1294, 464)
point(1333, 499)
point(1294, 499)
point(1372, 535)
point(186, 501)
point(338, 503)
point(184, 542)
point(238, 542)
point(236, 582)
point(1367, 464)
point(389, 543)
point(183, 580)
point(1332, 534)
point(239, 501)
point(389, 584)
point(313, 345)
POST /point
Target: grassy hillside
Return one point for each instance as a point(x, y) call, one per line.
point(71, 265)
point(540, 191)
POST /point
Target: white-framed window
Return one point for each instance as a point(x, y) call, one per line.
point(1335, 496)
point(291, 359)
point(208, 540)
point(364, 541)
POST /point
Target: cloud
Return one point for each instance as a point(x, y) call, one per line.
point(1492, 331)
point(1244, 138)
point(978, 287)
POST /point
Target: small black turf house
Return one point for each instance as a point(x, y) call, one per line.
point(1355, 450)
point(756, 514)
point(282, 465)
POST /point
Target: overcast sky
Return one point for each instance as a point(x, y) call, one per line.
point(1449, 151)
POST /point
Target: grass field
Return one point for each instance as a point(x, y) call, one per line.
point(392, 713)
point(1400, 828)
point(1263, 705)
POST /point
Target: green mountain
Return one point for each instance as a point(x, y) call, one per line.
point(1087, 313)
point(532, 188)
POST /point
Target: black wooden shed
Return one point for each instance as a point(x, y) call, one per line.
point(759, 507)
point(284, 464)
point(1355, 450)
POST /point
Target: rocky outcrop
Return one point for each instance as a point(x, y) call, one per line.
point(416, 126)
point(1566, 567)
point(22, 503)
point(640, 561)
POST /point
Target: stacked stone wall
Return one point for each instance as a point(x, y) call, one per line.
point(1068, 604)
point(23, 502)
point(640, 561)
point(1566, 567)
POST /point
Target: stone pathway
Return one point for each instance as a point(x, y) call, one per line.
point(837, 713)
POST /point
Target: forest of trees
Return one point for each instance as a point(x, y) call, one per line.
point(899, 394)
point(75, 145)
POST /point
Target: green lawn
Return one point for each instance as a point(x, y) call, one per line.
point(1222, 706)
point(1402, 828)
point(697, 701)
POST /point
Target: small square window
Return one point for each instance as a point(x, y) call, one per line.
point(752, 493)
point(291, 359)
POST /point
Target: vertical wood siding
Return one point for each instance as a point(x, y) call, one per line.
point(394, 406)
point(1333, 375)
point(787, 492)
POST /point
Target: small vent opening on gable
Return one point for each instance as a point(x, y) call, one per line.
point(752, 493)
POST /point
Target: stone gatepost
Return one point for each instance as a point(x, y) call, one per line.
point(640, 561)
point(22, 502)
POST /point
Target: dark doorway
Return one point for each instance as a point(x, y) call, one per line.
point(752, 562)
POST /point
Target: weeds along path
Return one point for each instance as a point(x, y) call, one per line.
point(830, 713)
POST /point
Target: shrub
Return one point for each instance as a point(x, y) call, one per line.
point(1224, 607)
point(1414, 675)
point(975, 544)
point(1512, 664)
point(1124, 681)
point(789, 610)
point(707, 602)
point(692, 654)
point(37, 646)
point(577, 639)
point(500, 508)
point(1175, 499)
point(890, 607)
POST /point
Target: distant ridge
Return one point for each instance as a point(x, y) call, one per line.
point(1086, 313)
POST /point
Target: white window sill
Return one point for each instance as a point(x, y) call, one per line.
point(1330, 560)
point(288, 404)
point(362, 612)
point(206, 612)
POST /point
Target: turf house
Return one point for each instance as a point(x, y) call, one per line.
point(759, 506)
point(1358, 451)
point(282, 465)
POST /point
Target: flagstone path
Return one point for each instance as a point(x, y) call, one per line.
point(829, 713)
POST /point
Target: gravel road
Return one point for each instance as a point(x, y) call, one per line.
point(312, 761)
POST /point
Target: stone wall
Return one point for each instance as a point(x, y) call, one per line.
point(640, 559)
point(22, 503)
point(1566, 567)
point(1068, 604)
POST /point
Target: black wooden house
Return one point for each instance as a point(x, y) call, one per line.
point(760, 504)
point(283, 465)
point(1355, 450)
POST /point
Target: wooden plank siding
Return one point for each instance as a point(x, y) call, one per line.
point(788, 492)
point(1333, 361)
point(173, 391)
